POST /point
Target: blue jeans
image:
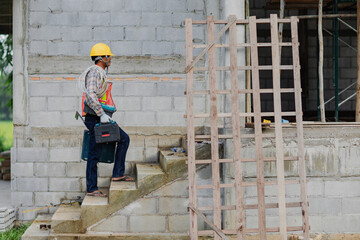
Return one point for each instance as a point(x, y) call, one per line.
point(95, 153)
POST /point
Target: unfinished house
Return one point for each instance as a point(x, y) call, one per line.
point(265, 111)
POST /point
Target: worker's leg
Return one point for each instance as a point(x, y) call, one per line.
point(93, 156)
point(122, 147)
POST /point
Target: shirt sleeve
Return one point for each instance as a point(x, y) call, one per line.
point(91, 87)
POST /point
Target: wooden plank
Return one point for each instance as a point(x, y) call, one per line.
point(215, 228)
point(258, 129)
point(190, 130)
point(214, 125)
point(250, 230)
point(211, 43)
point(248, 184)
point(278, 126)
point(242, 91)
point(246, 21)
point(252, 206)
point(243, 68)
point(240, 215)
point(219, 45)
point(299, 126)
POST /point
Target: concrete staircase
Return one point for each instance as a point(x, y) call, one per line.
point(72, 221)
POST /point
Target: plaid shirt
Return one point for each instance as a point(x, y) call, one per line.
point(94, 84)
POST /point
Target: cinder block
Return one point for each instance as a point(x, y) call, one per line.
point(325, 206)
point(179, 223)
point(171, 141)
point(179, 48)
point(140, 118)
point(139, 5)
point(115, 223)
point(37, 104)
point(22, 199)
point(156, 103)
point(45, 119)
point(175, 89)
point(91, 19)
point(49, 169)
point(196, 5)
point(78, 6)
point(170, 6)
point(143, 206)
point(22, 169)
point(176, 189)
point(341, 224)
point(64, 155)
point(44, 33)
point(62, 103)
point(179, 17)
point(155, 19)
point(76, 169)
point(172, 205)
point(126, 19)
point(170, 34)
point(85, 47)
point(350, 205)
point(66, 142)
point(105, 170)
point(171, 119)
point(63, 19)
point(32, 184)
point(106, 6)
point(139, 89)
point(135, 154)
point(44, 5)
point(108, 33)
point(29, 216)
point(64, 184)
point(43, 89)
point(140, 33)
point(68, 118)
point(137, 141)
point(350, 162)
point(152, 154)
point(146, 224)
point(349, 188)
point(38, 47)
point(127, 48)
point(67, 48)
point(31, 154)
point(47, 198)
point(157, 48)
point(128, 103)
point(76, 33)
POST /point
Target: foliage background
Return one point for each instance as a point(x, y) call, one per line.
point(6, 77)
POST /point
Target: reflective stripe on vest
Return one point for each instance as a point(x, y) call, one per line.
point(106, 101)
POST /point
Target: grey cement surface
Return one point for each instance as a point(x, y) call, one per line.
point(5, 196)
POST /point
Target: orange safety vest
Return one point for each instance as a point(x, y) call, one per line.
point(106, 102)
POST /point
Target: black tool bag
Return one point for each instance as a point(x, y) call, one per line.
point(107, 132)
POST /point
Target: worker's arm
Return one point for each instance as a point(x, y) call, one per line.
point(91, 88)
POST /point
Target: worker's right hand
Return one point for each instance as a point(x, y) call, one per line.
point(105, 118)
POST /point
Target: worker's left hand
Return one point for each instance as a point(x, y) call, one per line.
point(105, 118)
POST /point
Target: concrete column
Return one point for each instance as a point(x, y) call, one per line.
point(20, 84)
point(237, 8)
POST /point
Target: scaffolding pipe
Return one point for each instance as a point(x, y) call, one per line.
point(348, 25)
point(248, 73)
point(357, 108)
point(321, 63)
point(344, 15)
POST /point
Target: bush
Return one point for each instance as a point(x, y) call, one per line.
point(15, 233)
point(6, 135)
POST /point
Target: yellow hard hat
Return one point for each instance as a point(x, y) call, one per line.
point(100, 49)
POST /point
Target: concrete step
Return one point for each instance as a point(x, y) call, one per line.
point(117, 189)
point(34, 232)
point(169, 158)
point(67, 219)
point(144, 171)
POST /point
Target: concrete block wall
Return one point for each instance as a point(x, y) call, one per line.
point(131, 28)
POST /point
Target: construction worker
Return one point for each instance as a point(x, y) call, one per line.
point(98, 106)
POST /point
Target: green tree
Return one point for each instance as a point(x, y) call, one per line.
point(6, 76)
